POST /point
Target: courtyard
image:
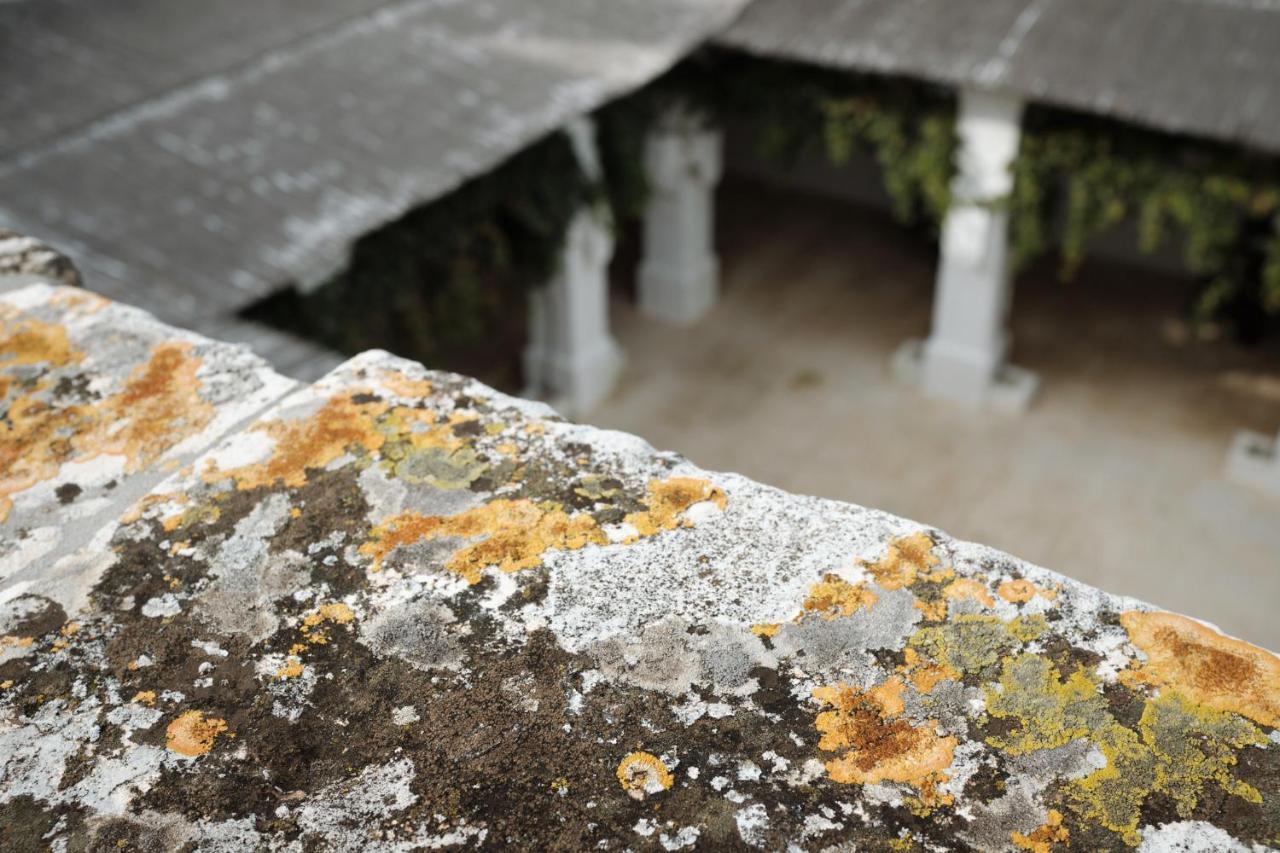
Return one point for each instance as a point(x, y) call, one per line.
point(1114, 476)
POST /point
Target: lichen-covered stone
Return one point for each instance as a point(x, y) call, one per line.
point(399, 610)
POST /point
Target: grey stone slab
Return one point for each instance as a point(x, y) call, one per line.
point(1195, 66)
point(222, 189)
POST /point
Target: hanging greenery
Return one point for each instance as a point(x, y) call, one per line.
point(446, 283)
point(1079, 176)
point(796, 110)
point(1075, 176)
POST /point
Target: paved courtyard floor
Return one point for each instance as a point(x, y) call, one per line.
point(1115, 476)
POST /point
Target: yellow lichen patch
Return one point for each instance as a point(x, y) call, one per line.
point(314, 631)
point(144, 697)
point(766, 629)
point(1049, 712)
point(345, 421)
point(905, 560)
point(668, 499)
point(1179, 747)
point(513, 535)
point(642, 774)
point(192, 733)
point(1207, 667)
point(833, 596)
point(292, 668)
point(972, 643)
point(1179, 750)
point(971, 589)
point(934, 611)
point(1045, 837)
point(876, 743)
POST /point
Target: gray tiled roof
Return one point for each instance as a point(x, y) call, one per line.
point(1205, 67)
point(236, 146)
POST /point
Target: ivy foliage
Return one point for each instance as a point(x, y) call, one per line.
point(1078, 176)
point(446, 283)
point(793, 111)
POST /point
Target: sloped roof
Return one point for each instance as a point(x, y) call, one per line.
point(248, 144)
point(1204, 67)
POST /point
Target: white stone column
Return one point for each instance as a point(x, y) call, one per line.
point(571, 358)
point(1254, 461)
point(964, 358)
point(679, 274)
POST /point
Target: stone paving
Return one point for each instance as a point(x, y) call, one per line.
point(397, 610)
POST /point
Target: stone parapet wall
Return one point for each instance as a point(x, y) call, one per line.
point(396, 610)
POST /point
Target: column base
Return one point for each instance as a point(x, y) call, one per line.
point(573, 386)
point(1254, 461)
point(678, 295)
point(1006, 389)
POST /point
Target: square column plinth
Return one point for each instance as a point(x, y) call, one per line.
point(964, 358)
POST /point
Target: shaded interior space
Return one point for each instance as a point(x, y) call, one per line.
point(1113, 477)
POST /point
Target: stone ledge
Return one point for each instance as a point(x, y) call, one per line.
point(399, 610)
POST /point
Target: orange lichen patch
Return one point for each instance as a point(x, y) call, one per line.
point(158, 407)
point(70, 629)
point(192, 733)
point(1022, 590)
point(344, 421)
point(877, 744)
point(145, 697)
point(766, 629)
point(1216, 671)
point(905, 560)
point(668, 499)
point(925, 675)
point(1045, 837)
point(314, 628)
point(513, 535)
point(292, 668)
point(26, 341)
point(10, 641)
point(834, 596)
point(970, 588)
point(404, 386)
point(934, 611)
point(642, 774)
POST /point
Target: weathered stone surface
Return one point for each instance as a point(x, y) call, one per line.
point(402, 611)
point(26, 256)
point(100, 403)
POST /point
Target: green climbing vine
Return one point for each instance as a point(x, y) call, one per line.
point(1075, 176)
point(1080, 176)
point(795, 110)
point(446, 283)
